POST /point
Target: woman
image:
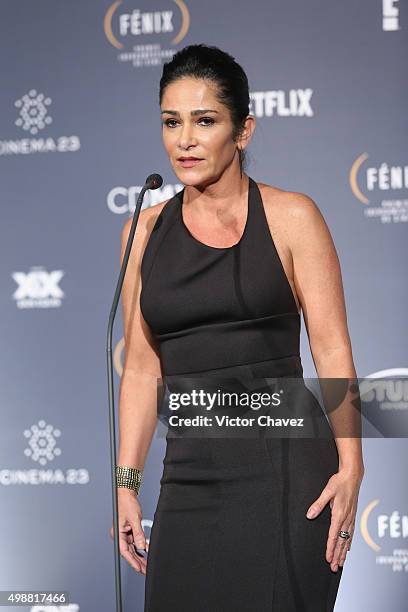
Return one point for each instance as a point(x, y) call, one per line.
point(216, 280)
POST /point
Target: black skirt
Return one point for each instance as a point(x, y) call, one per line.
point(230, 532)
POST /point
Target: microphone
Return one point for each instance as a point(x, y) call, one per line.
point(153, 181)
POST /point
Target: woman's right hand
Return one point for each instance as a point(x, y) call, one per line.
point(131, 534)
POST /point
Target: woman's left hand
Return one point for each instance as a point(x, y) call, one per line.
point(342, 492)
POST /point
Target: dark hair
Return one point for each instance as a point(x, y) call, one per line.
point(211, 63)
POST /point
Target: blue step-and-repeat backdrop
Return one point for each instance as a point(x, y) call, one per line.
point(80, 131)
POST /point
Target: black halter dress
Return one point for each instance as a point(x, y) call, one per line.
point(230, 532)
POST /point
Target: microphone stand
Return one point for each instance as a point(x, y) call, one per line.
point(153, 181)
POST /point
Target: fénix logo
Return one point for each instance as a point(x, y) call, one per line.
point(386, 526)
point(380, 528)
point(122, 199)
point(38, 288)
point(126, 24)
point(280, 103)
point(382, 180)
point(390, 15)
point(34, 117)
point(137, 23)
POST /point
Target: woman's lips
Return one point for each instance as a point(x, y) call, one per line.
point(189, 162)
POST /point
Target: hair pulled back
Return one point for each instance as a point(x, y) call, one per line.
point(220, 68)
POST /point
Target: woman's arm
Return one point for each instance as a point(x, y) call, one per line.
point(318, 282)
point(137, 393)
point(141, 371)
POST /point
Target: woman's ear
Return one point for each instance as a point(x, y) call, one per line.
point(247, 132)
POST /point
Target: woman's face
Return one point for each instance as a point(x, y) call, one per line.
point(196, 125)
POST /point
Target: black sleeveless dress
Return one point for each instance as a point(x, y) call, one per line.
point(230, 532)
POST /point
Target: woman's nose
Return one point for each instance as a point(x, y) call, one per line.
point(187, 136)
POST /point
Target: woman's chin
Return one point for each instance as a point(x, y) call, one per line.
point(190, 176)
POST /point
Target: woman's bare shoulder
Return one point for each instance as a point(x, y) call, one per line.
point(292, 211)
point(145, 223)
point(292, 202)
point(296, 221)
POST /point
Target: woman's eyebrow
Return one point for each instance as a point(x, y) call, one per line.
point(198, 111)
